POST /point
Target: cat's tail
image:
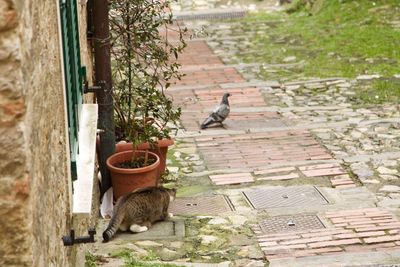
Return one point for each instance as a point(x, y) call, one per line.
point(115, 221)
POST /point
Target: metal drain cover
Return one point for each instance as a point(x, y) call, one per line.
point(206, 205)
point(285, 197)
point(290, 223)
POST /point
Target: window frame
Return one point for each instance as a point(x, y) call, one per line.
point(74, 75)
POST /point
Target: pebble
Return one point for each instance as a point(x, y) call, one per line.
point(324, 136)
point(208, 239)
point(368, 77)
point(289, 59)
point(194, 157)
point(292, 87)
point(390, 188)
point(388, 177)
point(173, 169)
point(186, 170)
point(384, 170)
point(176, 244)
point(356, 134)
point(217, 221)
point(249, 263)
point(148, 243)
point(371, 181)
point(168, 255)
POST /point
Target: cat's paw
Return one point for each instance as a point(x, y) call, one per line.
point(170, 215)
point(137, 228)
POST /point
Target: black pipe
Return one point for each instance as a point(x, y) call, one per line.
point(102, 66)
point(72, 240)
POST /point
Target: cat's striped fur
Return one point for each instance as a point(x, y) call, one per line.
point(139, 209)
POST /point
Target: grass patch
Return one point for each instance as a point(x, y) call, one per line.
point(132, 261)
point(378, 92)
point(191, 190)
point(339, 38)
point(90, 260)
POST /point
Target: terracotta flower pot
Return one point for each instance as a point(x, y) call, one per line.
point(125, 180)
point(161, 151)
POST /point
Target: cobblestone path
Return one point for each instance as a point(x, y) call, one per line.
point(299, 176)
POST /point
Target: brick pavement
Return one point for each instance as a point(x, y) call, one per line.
point(357, 230)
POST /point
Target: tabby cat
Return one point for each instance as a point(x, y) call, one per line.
point(137, 210)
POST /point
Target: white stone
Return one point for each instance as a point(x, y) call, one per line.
point(207, 239)
point(176, 244)
point(292, 87)
point(238, 220)
point(148, 243)
point(186, 170)
point(388, 177)
point(324, 136)
point(384, 170)
point(390, 188)
point(194, 157)
point(356, 134)
point(217, 221)
point(391, 163)
point(368, 77)
point(371, 181)
point(173, 169)
point(289, 59)
point(344, 85)
point(355, 120)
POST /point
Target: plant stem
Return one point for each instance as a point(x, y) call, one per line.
point(146, 157)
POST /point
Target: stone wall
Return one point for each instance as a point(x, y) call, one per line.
point(35, 190)
point(15, 180)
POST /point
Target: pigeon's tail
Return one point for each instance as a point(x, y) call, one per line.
point(207, 123)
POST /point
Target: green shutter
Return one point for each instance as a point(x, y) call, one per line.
point(74, 73)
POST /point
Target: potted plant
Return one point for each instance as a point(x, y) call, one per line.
point(144, 61)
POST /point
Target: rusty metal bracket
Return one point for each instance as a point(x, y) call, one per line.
point(94, 89)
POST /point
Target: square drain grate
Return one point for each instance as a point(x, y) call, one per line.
point(285, 197)
point(204, 205)
point(290, 223)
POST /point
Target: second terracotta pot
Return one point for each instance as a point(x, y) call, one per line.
point(161, 150)
point(125, 180)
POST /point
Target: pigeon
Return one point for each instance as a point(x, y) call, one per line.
point(219, 114)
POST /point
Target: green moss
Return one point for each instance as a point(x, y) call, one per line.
point(192, 190)
point(132, 261)
point(90, 260)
